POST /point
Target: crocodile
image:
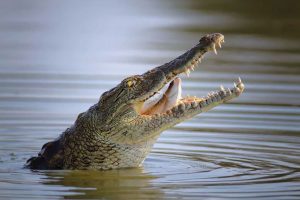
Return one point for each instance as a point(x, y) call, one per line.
point(121, 128)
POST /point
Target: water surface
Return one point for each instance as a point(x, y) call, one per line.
point(58, 57)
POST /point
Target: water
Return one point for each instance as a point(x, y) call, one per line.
point(57, 57)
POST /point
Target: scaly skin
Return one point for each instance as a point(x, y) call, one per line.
point(114, 133)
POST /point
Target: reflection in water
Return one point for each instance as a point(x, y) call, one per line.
point(58, 57)
point(113, 184)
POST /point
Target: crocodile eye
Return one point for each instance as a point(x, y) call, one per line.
point(131, 83)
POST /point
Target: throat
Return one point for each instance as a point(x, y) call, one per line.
point(164, 100)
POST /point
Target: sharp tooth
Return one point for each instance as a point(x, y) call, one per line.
point(214, 49)
point(218, 97)
point(194, 104)
point(199, 59)
point(229, 91)
point(224, 92)
point(239, 80)
point(192, 68)
point(234, 84)
point(187, 72)
point(222, 87)
point(219, 44)
point(237, 90)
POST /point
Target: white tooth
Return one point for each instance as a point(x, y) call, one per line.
point(237, 90)
point(222, 87)
point(194, 104)
point(234, 84)
point(239, 80)
point(187, 72)
point(224, 92)
point(219, 44)
point(229, 91)
point(214, 49)
point(192, 68)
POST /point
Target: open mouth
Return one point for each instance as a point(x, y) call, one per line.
point(169, 98)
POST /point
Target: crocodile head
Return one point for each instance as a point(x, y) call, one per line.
point(142, 106)
point(121, 128)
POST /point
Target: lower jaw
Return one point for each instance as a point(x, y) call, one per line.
point(212, 99)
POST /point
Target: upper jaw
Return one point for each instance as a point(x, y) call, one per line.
point(190, 59)
point(182, 64)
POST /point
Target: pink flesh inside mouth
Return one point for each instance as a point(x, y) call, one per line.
point(168, 97)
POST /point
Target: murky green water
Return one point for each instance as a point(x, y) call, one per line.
point(57, 57)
